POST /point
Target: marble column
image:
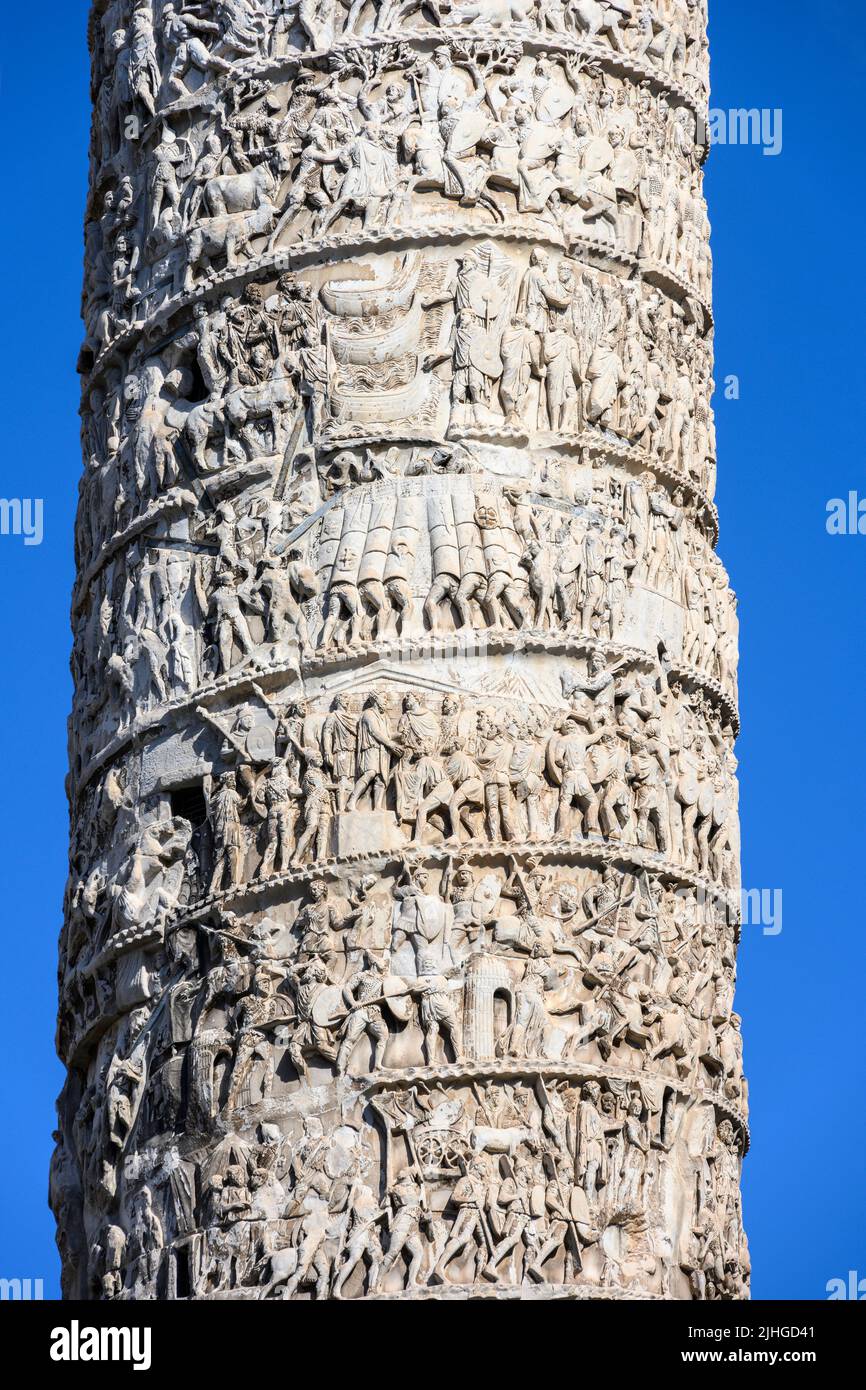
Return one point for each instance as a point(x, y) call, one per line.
point(400, 938)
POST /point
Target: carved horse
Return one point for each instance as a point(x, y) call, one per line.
point(484, 1139)
point(226, 236)
point(595, 17)
point(266, 400)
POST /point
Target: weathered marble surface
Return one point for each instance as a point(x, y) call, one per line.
point(401, 928)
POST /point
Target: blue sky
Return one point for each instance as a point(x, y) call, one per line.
point(789, 302)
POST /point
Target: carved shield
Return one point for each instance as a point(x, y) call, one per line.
point(261, 743)
point(553, 104)
point(598, 156)
point(485, 897)
point(469, 129)
point(328, 1007)
point(555, 752)
point(599, 764)
point(626, 171)
point(579, 1206)
point(706, 799)
point(398, 1001)
point(484, 355)
point(688, 790)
